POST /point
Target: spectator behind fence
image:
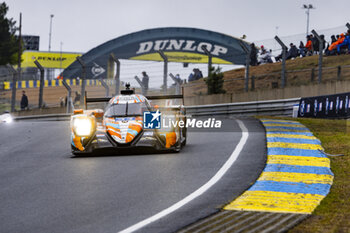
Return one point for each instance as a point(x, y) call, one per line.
point(264, 57)
point(315, 44)
point(24, 101)
point(77, 97)
point(345, 44)
point(197, 74)
point(332, 49)
point(145, 81)
point(293, 52)
point(324, 42)
point(308, 46)
point(302, 49)
point(253, 55)
point(177, 79)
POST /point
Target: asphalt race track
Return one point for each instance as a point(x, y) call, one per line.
point(44, 189)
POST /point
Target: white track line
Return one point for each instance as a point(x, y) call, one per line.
point(199, 191)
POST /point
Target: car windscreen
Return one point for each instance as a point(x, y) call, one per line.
point(127, 109)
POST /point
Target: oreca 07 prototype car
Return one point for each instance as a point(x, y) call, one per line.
point(121, 125)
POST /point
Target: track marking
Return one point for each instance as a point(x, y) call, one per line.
point(199, 191)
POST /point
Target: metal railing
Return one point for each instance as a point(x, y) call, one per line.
point(283, 107)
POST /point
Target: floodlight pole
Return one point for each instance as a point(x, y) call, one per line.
point(308, 8)
point(41, 89)
point(83, 79)
point(320, 57)
point(165, 76)
point(247, 63)
point(284, 50)
point(14, 82)
point(117, 75)
point(19, 47)
point(210, 57)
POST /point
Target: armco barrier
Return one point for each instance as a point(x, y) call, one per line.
point(283, 107)
point(269, 107)
point(51, 117)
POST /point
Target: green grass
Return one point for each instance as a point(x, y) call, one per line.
point(333, 215)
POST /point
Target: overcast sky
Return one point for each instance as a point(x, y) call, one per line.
point(84, 24)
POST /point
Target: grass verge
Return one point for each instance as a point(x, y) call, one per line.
point(333, 214)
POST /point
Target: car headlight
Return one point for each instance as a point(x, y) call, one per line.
point(83, 126)
point(8, 119)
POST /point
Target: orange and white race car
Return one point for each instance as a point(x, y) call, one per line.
point(129, 121)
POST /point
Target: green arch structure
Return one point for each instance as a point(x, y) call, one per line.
point(178, 44)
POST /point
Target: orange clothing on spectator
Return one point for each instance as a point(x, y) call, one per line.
point(339, 41)
point(308, 45)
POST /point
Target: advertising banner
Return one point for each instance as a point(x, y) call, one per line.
point(48, 59)
point(327, 106)
point(178, 44)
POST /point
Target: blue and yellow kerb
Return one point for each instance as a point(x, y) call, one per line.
point(297, 175)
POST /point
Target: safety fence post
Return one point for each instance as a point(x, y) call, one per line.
point(347, 25)
point(247, 63)
point(117, 75)
point(14, 83)
point(338, 72)
point(70, 105)
point(143, 89)
point(252, 83)
point(210, 58)
point(320, 56)
point(284, 51)
point(177, 84)
point(104, 84)
point(165, 76)
point(83, 79)
point(41, 89)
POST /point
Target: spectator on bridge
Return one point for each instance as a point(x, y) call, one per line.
point(293, 52)
point(145, 81)
point(24, 101)
point(253, 55)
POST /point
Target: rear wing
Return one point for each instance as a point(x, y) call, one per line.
point(151, 97)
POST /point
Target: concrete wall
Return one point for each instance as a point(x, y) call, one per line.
point(272, 94)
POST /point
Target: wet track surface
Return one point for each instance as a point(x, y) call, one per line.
point(44, 189)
